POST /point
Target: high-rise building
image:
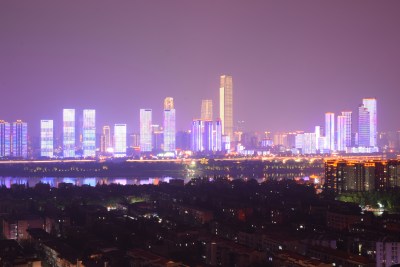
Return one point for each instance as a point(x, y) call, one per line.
point(5, 137)
point(46, 138)
point(145, 130)
point(89, 133)
point(226, 105)
point(69, 133)
point(169, 125)
point(363, 127)
point(208, 136)
point(120, 140)
point(106, 143)
point(197, 135)
point(370, 105)
point(349, 127)
point(330, 131)
point(168, 103)
point(19, 139)
point(206, 110)
point(218, 136)
point(341, 133)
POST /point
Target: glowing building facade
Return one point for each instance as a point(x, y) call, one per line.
point(20, 139)
point(89, 133)
point(226, 105)
point(363, 127)
point(197, 135)
point(208, 136)
point(69, 133)
point(370, 105)
point(169, 125)
point(349, 127)
point(5, 138)
point(218, 136)
point(206, 110)
point(330, 131)
point(120, 140)
point(46, 138)
point(341, 133)
point(145, 130)
point(106, 143)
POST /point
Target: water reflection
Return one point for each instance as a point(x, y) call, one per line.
point(93, 181)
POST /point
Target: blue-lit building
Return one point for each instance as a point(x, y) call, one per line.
point(145, 130)
point(89, 133)
point(330, 131)
point(20, 139)
point(341, 133)
point(120, 140)
point(5, 137)
point(197, 135)
point(218, 136)
point(69, 133)
point(363, 127)
point(169, 125)
point(370, 105)
point(46, 138)
point(208, 136)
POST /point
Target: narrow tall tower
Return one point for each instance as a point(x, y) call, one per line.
point(69, 133)
point(5, 139)
point(46, 138)
point(20, 139)
point(206, 110)
point(146, 144)
point(89, 133)
point(169, 125)
point(370, 105)
point(226, 105)
point(330, 131)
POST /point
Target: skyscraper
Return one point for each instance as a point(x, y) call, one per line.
point(363, 127)
point(145, 130)
point(89, 133)
point(5, 137)
point(206, 110)
point(46, 138)
point(208, 135)
point(349, 127)
point(20, 139)
point(330, 131)
point(120, 140)
point(226, 105)
point(218, 136)
point(370, 105)
point(341, 133)
point(69, 133)
point(197, 135)
point(169, 125)
point(106, 143)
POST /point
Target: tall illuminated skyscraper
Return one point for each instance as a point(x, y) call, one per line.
point(89, 133)
point(5, 137)
point(218, 136)
point(208, 135)
point(330, 131)
point(206, 110)
point(226, 105)
point(341, 133)
point(169, 125)
point(20, 139)
point(197, 135)
point(363, 127)
point(106, 143)
point(120, 140)
point(370, 105)
point(146, 144)
point(349, 127)
point(46, 138)
point(69, 133)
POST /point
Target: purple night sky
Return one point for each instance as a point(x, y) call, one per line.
point(291, 61)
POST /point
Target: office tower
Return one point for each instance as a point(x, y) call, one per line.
point(120, 140)
point(69, 133)
point(330, 131)
point(145, 130)
point(317, 137)
point(197, 135)
point(226, 105)
point(370, 105)
point(168, 103)
point(341, 133)
point(363, 127)
point(218, 136)
point(5, 137)
point(20, 139)
point(309, 143)
point(106, 143)
point(46, 138)
point(349, 127)
point(208, 136)
point(89, 133)
point(169, 125)
point(206, 110)
point(157, 135)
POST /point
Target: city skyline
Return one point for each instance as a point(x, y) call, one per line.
point(297, 58)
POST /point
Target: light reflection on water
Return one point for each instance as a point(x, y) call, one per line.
point(93, 181)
